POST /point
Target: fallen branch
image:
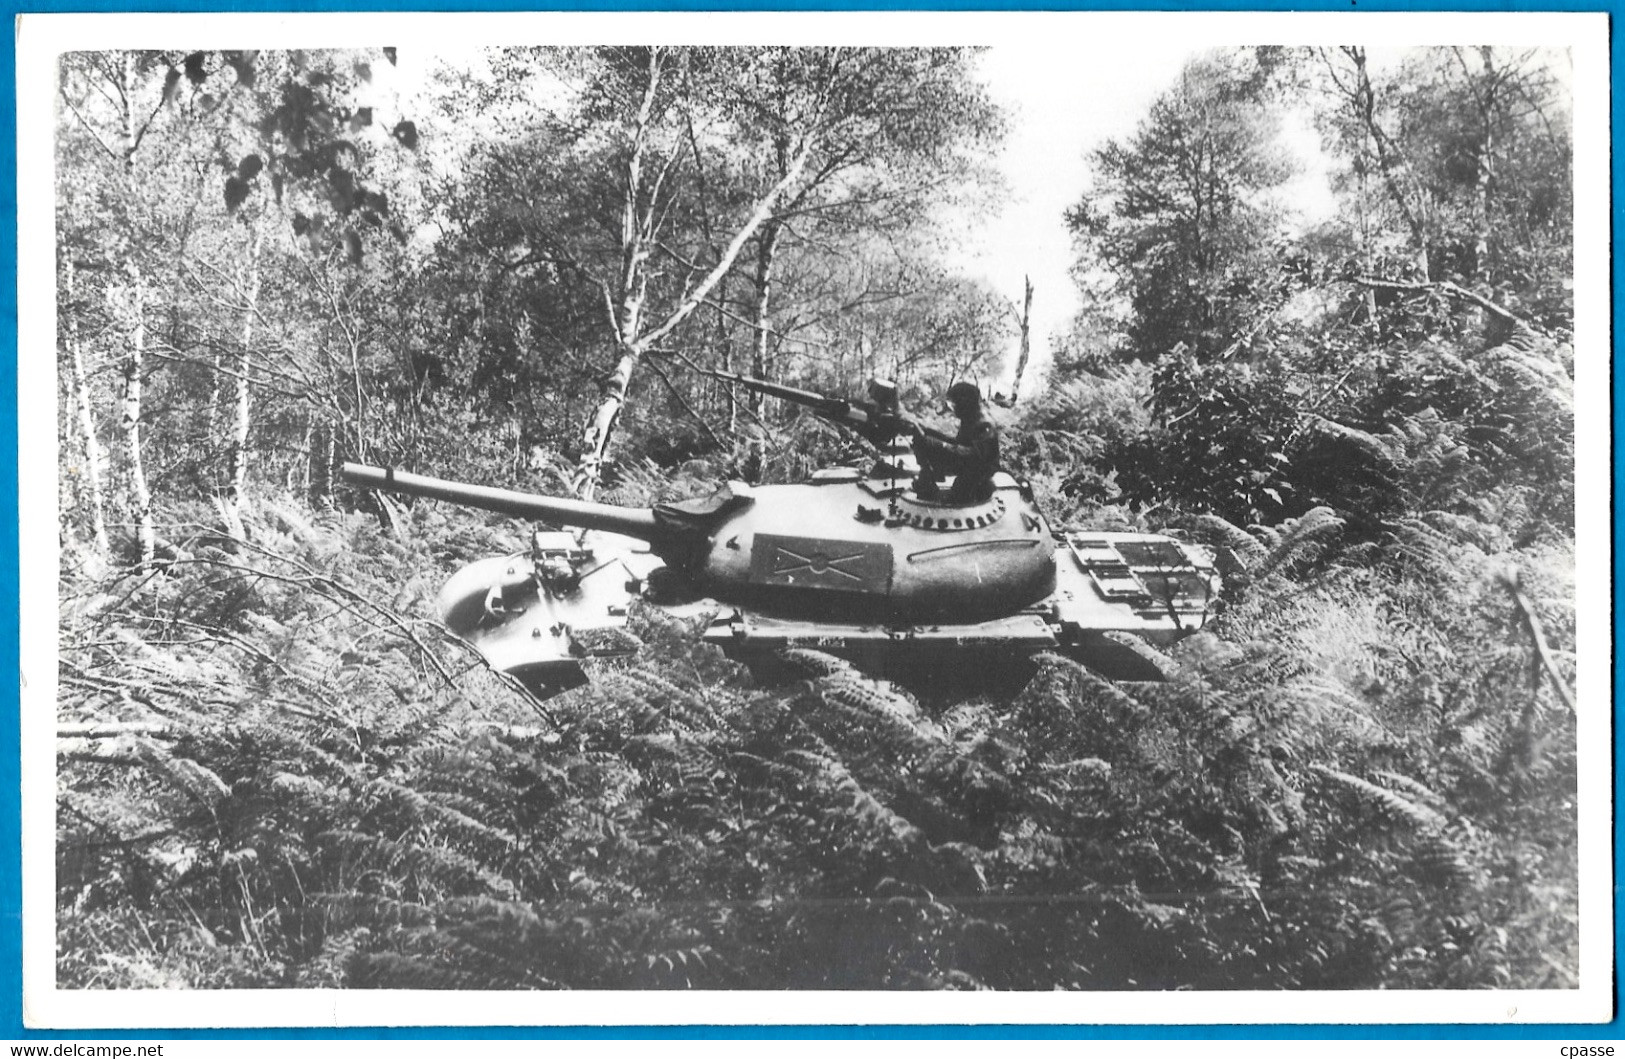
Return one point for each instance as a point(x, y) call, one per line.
point(507, 679)
point(1543, 652)
point(81, 752)
point(347, 598)
point(110, 729)
point(339, 592)
point(687, 407)
point(1447, 288)
point(517, 731)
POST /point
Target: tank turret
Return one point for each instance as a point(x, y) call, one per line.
point(841, 546)
point(851, 561)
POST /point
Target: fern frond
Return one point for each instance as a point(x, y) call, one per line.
point(812, 664)
point(1483, 536)
point(182, 773)
point(1416, 790)
point(1303, 539)
point(1319, 693)
point(867, 808)
point(512, 918)
point(431, 807)
point(1532, 360)
point(431, 867)
point(1269, 537)
point(388, 970)
point(1425, 545)
point(887, 708)
point(1440, 856)
point(1381, 449)
point(287, 519)
point(1245, 547)
point(1204, 652)
point(373, 911)
point(1165, 666)
point(640, 698)
point(1088, 771)
point(1389, 803)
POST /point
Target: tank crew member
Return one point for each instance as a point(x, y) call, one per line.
point(971, 455)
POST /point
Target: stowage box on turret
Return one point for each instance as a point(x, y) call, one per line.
point(851, 562)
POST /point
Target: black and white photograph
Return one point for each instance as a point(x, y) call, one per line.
point(793, 516)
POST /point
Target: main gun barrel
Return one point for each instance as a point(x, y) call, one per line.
point(632, 521)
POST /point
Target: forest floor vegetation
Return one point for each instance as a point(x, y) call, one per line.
point(275, 769)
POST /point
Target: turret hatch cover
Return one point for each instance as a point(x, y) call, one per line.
point(811, 562)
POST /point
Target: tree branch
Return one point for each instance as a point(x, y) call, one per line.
point(1445, 287)
point(661, 375)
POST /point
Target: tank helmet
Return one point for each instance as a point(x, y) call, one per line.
point(964, 395)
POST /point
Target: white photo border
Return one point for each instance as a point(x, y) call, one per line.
point(41, 38)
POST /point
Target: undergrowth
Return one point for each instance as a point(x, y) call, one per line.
point(276, 770)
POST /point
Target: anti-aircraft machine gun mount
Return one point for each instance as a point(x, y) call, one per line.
point(851, 562)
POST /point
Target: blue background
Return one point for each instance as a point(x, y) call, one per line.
point(11, 1025)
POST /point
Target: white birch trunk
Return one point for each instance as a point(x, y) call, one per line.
point(589, 472)
point(216, 398)
point(1415, 213)
point(320, 471)
point(1026, 339)
point(84, 420)
point(764, 293)
point(1486, 170)
point(237, 450)
point(756, 459)
point(636, 218)
point(639, 208)
point(633, 345)
point(360, 399)
point(130, 419)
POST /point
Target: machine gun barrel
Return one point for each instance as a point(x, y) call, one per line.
point(860, 416)
point(833, 407)
point(637, 522)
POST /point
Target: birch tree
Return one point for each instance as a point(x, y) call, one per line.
point(823, 113)
point(907, 125)
point(131, 309)
point(83, 416)
point(1363, 127)
point(1465, 143)
point(116, 100)
point(656, 86)
point(1026, 338)
point(248, 286)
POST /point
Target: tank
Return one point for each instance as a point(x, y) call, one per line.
point(852, 562)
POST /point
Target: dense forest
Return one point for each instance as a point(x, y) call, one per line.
point(276, 768)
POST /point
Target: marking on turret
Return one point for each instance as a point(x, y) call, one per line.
point(807, 562)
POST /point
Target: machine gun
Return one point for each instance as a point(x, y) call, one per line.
point(869, 420)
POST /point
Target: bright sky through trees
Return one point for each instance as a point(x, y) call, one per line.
point(1065, 99)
